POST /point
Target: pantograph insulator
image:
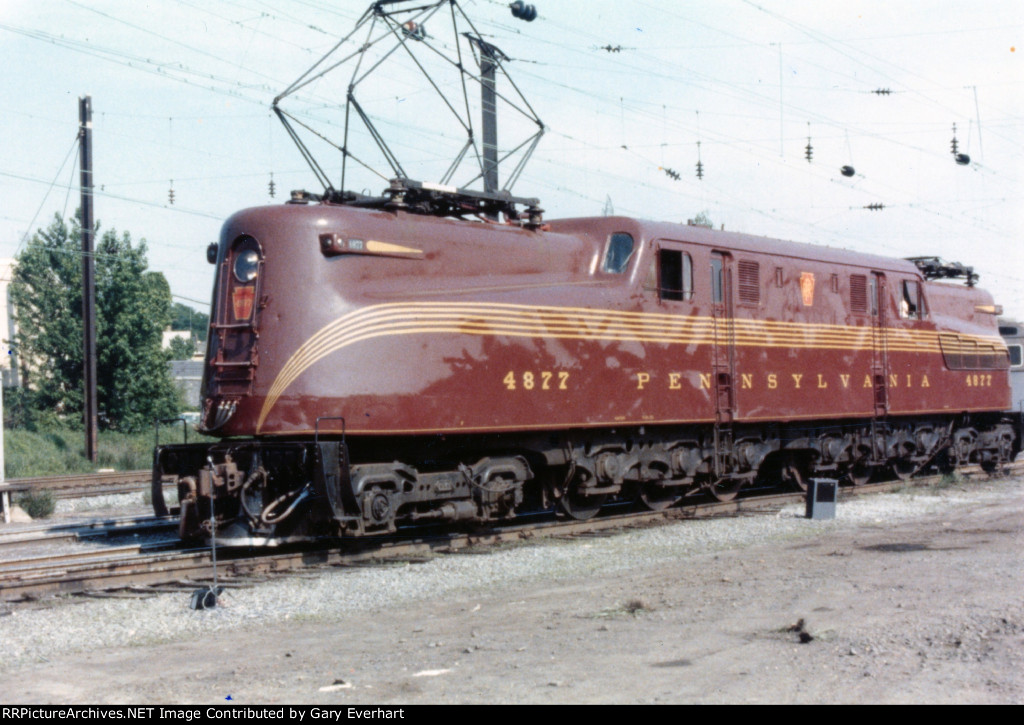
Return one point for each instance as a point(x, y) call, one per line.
point(847, 171)
point(523, 11)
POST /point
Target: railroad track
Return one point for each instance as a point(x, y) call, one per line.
point(141, 569)
point(87, 484)
point(48, 533)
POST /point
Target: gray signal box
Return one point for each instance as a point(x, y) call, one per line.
point(822, 494)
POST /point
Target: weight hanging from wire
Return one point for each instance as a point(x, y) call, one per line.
point(523, 11)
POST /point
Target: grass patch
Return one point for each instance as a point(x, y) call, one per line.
point(633, 607)
point(949, 480)
point(59, 451)
point(38, 504)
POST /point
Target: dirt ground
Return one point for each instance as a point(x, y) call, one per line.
point(926, 611)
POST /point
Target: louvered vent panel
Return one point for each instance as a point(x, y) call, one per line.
point(858, 293)
point(750, 287)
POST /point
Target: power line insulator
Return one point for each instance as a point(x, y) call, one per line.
point(953, 148)
point(170, 193)
point(875, 207)
point(700, 170)
point(847, 171)
point(671, 173)
point(523, 11)
point(808, 150)
point(271, 187)
point(882, 91)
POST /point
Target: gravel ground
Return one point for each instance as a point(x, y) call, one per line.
point(116, 504)
point(909, 597)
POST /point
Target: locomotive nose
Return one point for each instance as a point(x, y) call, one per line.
point(232, 354)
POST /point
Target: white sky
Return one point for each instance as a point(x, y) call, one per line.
point(181, 90)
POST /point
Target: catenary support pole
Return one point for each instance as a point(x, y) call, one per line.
point(88, 276)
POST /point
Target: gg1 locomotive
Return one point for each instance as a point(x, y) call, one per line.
point(374, 362)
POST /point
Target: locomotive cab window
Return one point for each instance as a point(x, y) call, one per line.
point(618, 253)
point(675, 275)
point(911, 301)
point(1016, 355)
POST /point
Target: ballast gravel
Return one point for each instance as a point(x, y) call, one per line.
point(707, 588)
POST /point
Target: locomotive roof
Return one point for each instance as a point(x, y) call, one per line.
point(602, 226)
point(597, 229)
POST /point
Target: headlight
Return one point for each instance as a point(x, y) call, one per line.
point(247, 263)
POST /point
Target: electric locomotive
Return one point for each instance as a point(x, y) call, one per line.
point(374, 362)
point(1013, 335)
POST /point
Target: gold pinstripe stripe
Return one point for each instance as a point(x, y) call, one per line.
point(572, 323)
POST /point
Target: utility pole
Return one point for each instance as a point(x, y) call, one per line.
point(88, 276)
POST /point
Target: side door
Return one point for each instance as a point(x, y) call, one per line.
point(723, 344)
point(877, 300)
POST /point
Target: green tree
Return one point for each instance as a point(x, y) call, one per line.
point(46, 292)
point(702, 220)
point(132, 308)
point(135, 307)
point(182, 349)
point(184, 317)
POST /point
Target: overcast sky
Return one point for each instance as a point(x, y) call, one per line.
point(181, 90)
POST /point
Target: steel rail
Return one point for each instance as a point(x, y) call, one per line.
point(86, 484)
point(131, 567)
point(78, 531)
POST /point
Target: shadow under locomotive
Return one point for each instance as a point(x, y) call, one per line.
point(252, 485)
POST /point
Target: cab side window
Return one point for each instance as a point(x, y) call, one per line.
point(618, 253)
point(911, 301)
point(675, 275)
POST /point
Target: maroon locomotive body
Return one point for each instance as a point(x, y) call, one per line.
point(369, 366)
